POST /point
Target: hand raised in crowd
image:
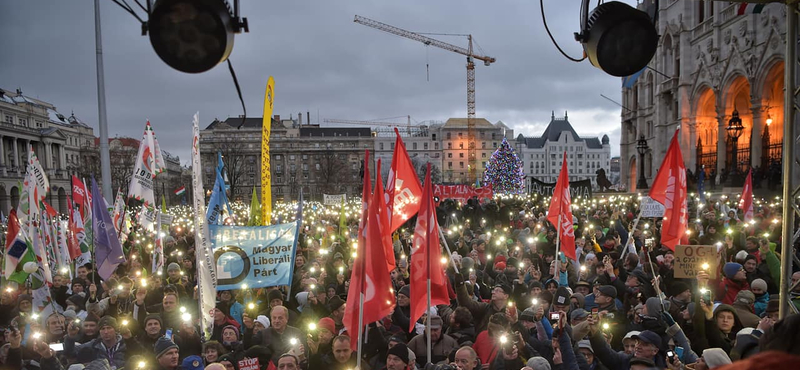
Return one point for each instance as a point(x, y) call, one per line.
point(141, 293)
point(765, 324)
point(125, 332)
point(92, 290)
point(187, 328)
point(593, 324)
point(73, 329)
point(248, 321)
point(539, 312)
point(14, 338)
point(313, 346)
point(536, 273)
point(675, 364)
point(43, 349)
point(702, 279)
point(707, 307)
point(512, 354)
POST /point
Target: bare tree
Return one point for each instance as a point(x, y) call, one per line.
point(422, 167)
point(123, 159)
point(333, 172)
point(235, 163)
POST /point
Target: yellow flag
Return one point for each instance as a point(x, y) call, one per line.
point(266, 176)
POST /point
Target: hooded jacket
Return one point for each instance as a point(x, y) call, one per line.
point(728, 289)
point(707, 333)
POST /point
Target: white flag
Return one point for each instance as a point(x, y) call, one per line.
point(206, 266)
point(149, 163)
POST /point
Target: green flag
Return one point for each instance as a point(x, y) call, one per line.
point(163, 204)
point(255, 210)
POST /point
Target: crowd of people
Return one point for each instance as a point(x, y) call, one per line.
point(512, 306)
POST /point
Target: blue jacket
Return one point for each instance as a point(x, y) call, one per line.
point(237, 312)
point(117, 359)
point(761, 304)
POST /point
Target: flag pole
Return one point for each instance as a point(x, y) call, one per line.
point(630, 235)
point(361, 309)
point(428, 275)
point(449, 254)
point(557, 272)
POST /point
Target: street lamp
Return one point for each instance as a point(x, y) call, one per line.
point(641, 147)
point(735, 129)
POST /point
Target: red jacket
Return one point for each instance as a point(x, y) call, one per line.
point(486, 347)
point(728, 289)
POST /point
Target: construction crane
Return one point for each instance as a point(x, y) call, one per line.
point(471, 56)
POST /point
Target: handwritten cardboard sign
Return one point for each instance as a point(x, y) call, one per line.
point(689, 259)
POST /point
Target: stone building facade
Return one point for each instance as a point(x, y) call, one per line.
point(711, 63)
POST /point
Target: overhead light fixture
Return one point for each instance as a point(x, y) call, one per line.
point(617, 38)
point(193, 36)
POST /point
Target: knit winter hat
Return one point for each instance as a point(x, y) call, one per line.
point(274, 294)
point(263, 320)
point(173, 266)
point(163, 345)
point(235, 330)
point(730, 269)
point(405, 290)
point(677, 288)
point(400, 350)
point(538, 363)
point(154, 316)
point(500, 266)
point(759, 284)
point(108, 321)
point(715, 357)
point(327, 324)
point(745, 296)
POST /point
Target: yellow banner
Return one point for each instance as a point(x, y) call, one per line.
point(266, 176)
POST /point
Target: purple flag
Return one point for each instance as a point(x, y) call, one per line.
point(107, 250)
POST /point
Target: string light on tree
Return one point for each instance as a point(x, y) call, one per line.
point(504, 171)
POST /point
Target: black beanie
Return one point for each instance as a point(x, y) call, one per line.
point(400, 350)
point(162, 346)
point(334, 303)
point(405, 290)
point(154, 316)
point(677, 287)
point(273, 295)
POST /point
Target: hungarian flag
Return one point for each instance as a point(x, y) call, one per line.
point(746, 202)
point(180, 191)
point(425, 255)
point(402, 186)
point(18, 249)
point(369, 274)
point(669, 189)
point(560, 212)
point(383, 216)
point(750, 8)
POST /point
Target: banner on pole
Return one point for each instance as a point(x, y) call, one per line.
point(259, 256)
point(461, 193)
point(334, 199)
point(689, 259)
point(580, 188)
point(266, 176)
point(650, 208)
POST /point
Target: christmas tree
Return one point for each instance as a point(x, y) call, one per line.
point(504, 171)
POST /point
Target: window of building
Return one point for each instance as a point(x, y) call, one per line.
point(425, 146)
point(460, 135)
point(461, 164)
point(317, 167)
point(392, 145)
point(414, 146)
point(448, 136)
point(494, 144)
point(460, 145)
point(449, 164)
point(9, 119)
point(277, 168)
point(305, 166)
point(293, 168)
point(483, 145)
point(460, 155)
point(23, 122)
point(449, 155)
point(494, 134)
point(291, 157)
point(449, 145)
point(483, 155)
point(380, 145)
point(278, 179)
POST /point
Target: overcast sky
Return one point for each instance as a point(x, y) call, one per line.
point(322, 62)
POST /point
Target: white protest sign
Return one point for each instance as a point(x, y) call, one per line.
point(650, 208)
point(335, 199)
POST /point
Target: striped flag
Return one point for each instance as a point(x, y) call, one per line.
point(749, 8)
point(181, 190)
point(18, 250)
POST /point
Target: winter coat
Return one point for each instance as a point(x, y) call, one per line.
point(439, 350)
point(99, 349)
point(728, 289)
point(616, 360)
point(761, 304)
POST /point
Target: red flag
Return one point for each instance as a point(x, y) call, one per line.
point(425, 256)
point(79, 195)
point(49, 209)
point(560, 212)
point(669, 189)
point(746, 202)
point(369, 271)
point(403, 187)
point(72, 234)
point(383, 216)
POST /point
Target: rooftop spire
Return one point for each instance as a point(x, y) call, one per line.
point(565, 115)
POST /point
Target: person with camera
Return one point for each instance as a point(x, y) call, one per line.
point(648, 347)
